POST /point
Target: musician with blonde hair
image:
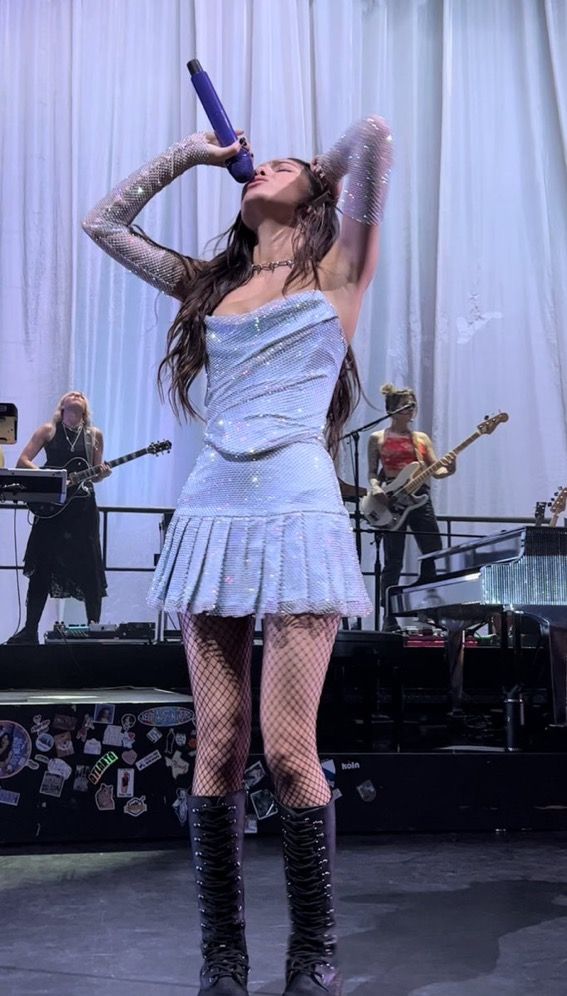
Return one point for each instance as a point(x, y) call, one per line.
point(389, 451)
point(63, 556)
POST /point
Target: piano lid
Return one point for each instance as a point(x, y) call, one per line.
point(525, 566)
point(475, 552)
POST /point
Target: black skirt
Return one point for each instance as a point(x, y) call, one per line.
point(66, 551)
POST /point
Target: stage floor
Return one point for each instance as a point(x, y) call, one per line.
point(476, 915)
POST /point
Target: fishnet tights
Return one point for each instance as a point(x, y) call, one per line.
point(297, 650)
point(219, 652)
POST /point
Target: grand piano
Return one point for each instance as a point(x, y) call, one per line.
point(522, 571)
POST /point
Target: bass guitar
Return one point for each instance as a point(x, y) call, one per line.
point(401, 495)
point(80, 474)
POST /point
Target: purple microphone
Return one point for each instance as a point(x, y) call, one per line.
point(240, 167)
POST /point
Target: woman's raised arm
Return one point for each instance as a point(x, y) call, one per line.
point(364, 155)
point(109, 224)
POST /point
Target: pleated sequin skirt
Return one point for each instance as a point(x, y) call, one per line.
point(257, 535)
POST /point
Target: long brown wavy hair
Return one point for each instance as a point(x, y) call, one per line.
point(316, 228)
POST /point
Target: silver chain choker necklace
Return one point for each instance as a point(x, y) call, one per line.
point(258, 267)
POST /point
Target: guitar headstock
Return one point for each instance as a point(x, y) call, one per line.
point(163, 447)
point(490, 422)
point(559, 501)
point(539, 513)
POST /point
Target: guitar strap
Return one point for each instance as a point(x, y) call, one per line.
point(89, 445)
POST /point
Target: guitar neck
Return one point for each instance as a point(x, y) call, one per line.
point(90, 472)
point(418, 479)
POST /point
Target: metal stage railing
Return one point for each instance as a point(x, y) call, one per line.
point(451, 526)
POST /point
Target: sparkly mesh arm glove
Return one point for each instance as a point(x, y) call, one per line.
point(109, 223)
point(364, 153)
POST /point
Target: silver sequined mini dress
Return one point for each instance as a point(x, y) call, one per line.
point(260, 526)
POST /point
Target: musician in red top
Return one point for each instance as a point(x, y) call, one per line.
point(389, 451)
point(63, 556)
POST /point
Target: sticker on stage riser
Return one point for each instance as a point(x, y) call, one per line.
point(128, 756)
point(81, 783)
point(180, 739)
point(113, 735)
point(104, 713)
point(15, 748)
point(57, 766)
point(44, 742)
point(63, 744)
point(366, 791)
point(329, 771)
point(144, 762)
point(136, 806)
point(40, 725)
point(51, 784)
point(86, 725)
point(41, 758)
point(181, 806)
point(169, 743)
point(125, 783)
point(98, 769)
point(64, 722)
point(264, 804)
point(128, 738)
point(154, 735)
point(254, 774)
point(32, 765)
point(8, 798)
point(177, 764)
point(166, 716)
point(250, 824)
point(104, 797)
point(92, 747)
point(128, 720)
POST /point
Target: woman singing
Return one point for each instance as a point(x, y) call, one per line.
point(260, 528)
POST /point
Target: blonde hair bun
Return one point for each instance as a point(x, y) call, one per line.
point(396, 396)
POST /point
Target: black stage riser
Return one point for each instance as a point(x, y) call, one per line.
point(375, 794)
point(92, 663)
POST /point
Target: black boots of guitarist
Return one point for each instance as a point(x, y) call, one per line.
point(38, 593)
point(35, 604)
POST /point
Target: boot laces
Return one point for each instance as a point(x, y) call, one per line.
point(224, 961)
point(305, 963)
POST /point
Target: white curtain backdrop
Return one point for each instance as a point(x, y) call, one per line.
point(470, 301)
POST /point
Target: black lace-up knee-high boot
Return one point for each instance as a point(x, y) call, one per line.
point(217, 828)
point(309, 846)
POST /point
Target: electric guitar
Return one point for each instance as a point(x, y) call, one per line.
point(401, 494)
point(79, 475)
point(557, 505)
